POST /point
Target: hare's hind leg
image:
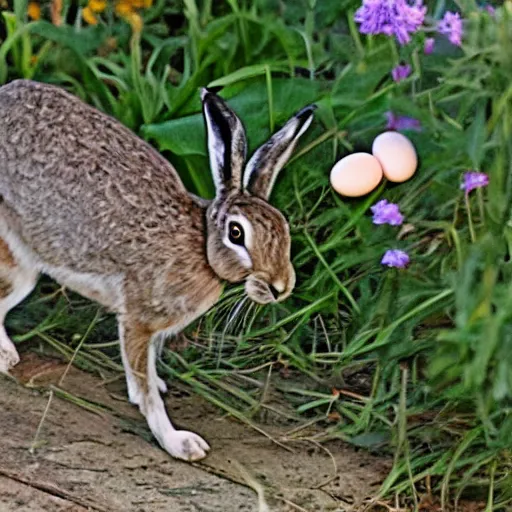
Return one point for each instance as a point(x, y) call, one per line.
point(16, 282)
point(140, 354)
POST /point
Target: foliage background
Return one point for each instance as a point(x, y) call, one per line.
point(415, 363)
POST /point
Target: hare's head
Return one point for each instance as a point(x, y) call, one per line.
point(247, 237)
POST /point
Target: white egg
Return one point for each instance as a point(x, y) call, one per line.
point(356, 175)
point(396, 155)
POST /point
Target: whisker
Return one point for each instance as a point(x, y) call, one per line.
point(242, 315)
point(231, 317)
point(252, 305)
point(237, 310)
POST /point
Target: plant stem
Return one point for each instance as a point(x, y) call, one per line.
point(470, 219)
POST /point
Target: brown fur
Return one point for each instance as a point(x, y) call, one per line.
point(6, 257)
point(7, 264)
point(6, 287)
point(89, 203)
point(270, 255)
point(89, 195)
point(137, 338)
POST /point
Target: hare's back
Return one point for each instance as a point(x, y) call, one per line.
point(69, 142)
point(70, 172)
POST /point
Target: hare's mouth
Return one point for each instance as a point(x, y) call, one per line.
point(262, 292)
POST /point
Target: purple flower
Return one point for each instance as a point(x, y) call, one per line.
point(451, 26)
point(400, 72)
point(429, 45)
point(474, 180)
point(491, 10)
point(387, 213)
point(400, 18)
point(398, 123)
point(395, 258)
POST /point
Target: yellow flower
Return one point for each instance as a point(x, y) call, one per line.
point(141, 4)
point(126, 9)
point(97, 5)
point(123, 8)
point(88, 16)
point(135, 20)
point(34, 11)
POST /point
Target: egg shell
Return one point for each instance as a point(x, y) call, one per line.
point(355, 175)
point(396, 155)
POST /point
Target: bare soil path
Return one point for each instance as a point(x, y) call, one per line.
point(102, 459)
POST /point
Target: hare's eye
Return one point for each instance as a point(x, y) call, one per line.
point(236, 233)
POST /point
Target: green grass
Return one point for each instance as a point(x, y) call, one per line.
point(420, 359)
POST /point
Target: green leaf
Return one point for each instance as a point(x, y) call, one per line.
point(183, 136)
point(186, 135)
point(247, 73)
point(476, 136)
point(66, 38)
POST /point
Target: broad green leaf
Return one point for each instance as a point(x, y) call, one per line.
point(186, 135)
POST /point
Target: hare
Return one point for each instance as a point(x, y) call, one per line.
point(85, 201)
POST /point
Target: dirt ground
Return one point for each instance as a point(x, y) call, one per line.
point(102, 459)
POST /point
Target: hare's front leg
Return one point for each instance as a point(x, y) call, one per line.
point(139, 350)
point(16, 282)
point(134, 392)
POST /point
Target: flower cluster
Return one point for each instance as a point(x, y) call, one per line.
point(400, 18)
point(125, 9)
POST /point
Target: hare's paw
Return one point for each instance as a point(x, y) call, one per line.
point(8, 355)
point(134, 391)
point(185, 445)
point(162, 386)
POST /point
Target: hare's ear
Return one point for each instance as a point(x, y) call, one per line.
point(227, 145)
point(264, 166)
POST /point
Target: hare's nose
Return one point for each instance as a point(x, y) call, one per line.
point(273, 291)
point(277, 288)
